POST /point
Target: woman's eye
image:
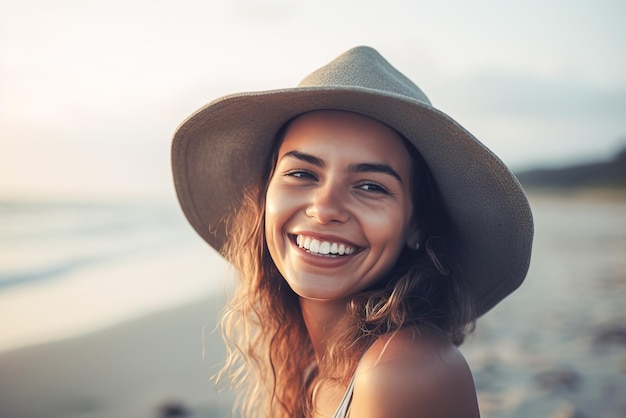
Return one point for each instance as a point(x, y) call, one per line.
point(300, 174)
point(373, 188)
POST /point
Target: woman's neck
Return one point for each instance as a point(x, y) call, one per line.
point(324, 321)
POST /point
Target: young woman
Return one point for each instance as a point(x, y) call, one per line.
point(368, 230)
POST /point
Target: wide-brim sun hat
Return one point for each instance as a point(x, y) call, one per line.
point(222, 149)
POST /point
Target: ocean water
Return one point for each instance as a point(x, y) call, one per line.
point(556, 348)
point(71, 268)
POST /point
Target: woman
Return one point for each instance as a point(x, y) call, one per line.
point(368, 230)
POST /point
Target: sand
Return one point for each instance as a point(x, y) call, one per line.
point(135, 369)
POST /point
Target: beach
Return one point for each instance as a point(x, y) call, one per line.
point(141, 368)
point(556, 348)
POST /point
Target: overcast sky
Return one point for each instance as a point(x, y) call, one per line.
point(91, 91)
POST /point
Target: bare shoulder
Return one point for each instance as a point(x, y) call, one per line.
point(414, 373)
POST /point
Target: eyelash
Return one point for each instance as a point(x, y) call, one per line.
point(370, 184)
point(300, 174)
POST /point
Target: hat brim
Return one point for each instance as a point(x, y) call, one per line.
point(222, 149)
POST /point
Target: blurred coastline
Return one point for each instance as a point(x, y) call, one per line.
point(106, 310)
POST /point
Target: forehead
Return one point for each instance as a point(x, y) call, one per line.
point(335, 133)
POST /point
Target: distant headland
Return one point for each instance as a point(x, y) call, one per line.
point(606, 175)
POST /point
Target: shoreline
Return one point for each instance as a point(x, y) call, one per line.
point(93, 298)
point(616, 195)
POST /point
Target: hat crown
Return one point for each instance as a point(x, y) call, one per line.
point(364, 67)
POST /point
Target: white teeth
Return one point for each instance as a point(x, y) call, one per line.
point(323, 247)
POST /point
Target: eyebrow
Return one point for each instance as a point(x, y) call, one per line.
point(354, 168)
point(375, 168)
point(304, 157)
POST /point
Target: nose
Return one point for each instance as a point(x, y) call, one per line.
point(327, 205)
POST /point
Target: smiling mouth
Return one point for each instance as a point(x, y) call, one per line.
point(324, 248)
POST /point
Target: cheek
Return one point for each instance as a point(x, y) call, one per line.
point(274, 207)
point(271, 214)
point(281, 201)
point(390, 227)
point(279, 209)
point(390, 238)
point(273, 211)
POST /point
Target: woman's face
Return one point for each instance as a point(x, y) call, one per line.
point(338, 205)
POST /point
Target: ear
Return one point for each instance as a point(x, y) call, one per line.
point(414, 237)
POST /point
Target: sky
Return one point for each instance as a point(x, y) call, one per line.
point(92, 91)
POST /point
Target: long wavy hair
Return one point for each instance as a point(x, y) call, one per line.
point(270, 359)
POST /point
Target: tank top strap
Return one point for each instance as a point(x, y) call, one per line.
point(344, 406)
